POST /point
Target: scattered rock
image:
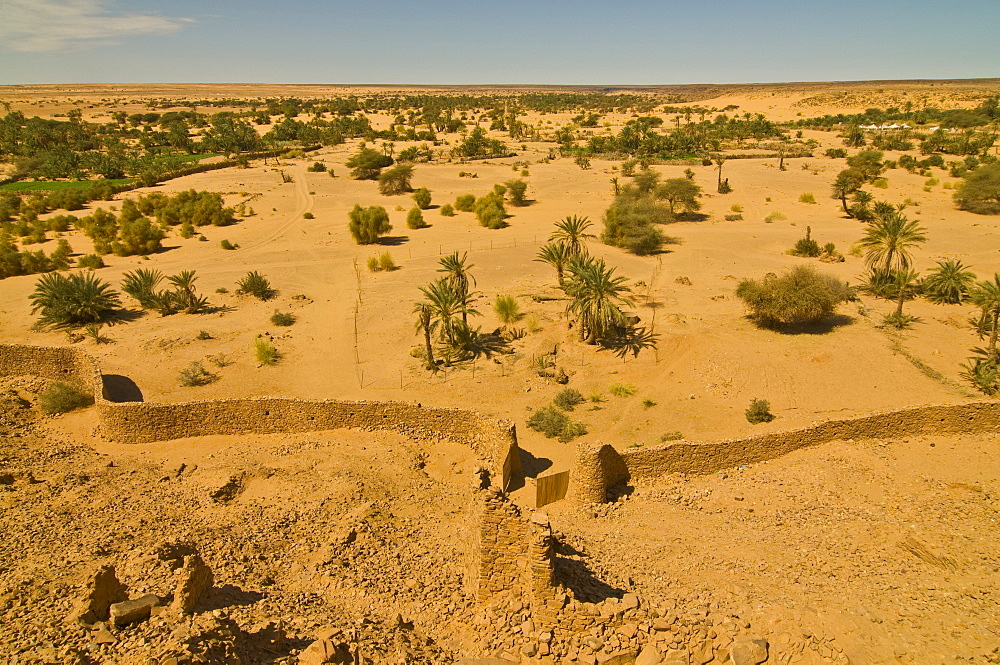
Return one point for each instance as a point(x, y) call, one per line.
point(748, 652)
point(132, 611)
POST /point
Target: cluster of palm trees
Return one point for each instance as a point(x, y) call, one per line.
point(444, 312)
point(597, 295)
point(889, 242)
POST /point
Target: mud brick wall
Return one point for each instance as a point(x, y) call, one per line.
point(144, 422)
point(598, 468)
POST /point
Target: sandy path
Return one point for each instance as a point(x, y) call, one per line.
point(304, 202)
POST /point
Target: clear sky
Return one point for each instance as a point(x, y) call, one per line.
point(513, 41)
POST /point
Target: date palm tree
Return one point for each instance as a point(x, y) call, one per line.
point(458, 275)
point(427, 325)
point(986, 296)
point(72, 300)
point(572, 232)
point(888, 243)
point(447, 307)
point(949, 282)
point(905, 281)
point(557, 255)
point(597, 298)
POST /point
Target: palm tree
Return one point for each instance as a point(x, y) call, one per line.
point(427, 325)
point(986, 296)
point(949, 282)
point(557, 255)
point(446, 306)
point(572, 232)
point(888, 242)
point(596, 298)
point(904, 280)
point(848, 181)
point(72, 300)
point(457, 275)
point(186, 295)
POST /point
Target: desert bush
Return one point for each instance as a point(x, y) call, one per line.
point(61, 397)
point(308, 215)
point(980, 191)
point(465, 203)
point(195, 374)
point(629, 223)
point(490, 211)
point(806, 246)
point(256, 285)
point(225, 244)
point(733, 218)
point(568, 399)
point(317, 167)
point(367, 224)
point(385, 262)
point(553, 423)
point(372, 264)
point(72, 300)
point(264, 351)
point(282, 318)
point(91, 261)
point(736, 207)
point(803, 295)
point(880, 183)
point(759, 411)
point(367, 164)
point(516, 190)
point(807, 197)
point(836, 153)
point(137, 236)
point(396, 180)
point(620, 389)
point(422, 197)
point(447, 210)
point(983, 372)
point(775, 216)
point(506, 309)
point(415, 219)
point(671, 436)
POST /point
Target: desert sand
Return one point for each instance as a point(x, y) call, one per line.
point(876, 551)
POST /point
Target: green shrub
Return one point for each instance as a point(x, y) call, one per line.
point(447, 210)
point(195, 374)
point(802, 295)
point(880, 183)
point(775, 216)
point(396, 180)
point(385, 262)
point(141, 285)
point(629, 223)
point(422, 197)
point(367, 224)
point(317, 167)
point(465, 203)
point(648, 403)
point(807, 197)
point(256, 285)
point(265, 352)
point(225, 244)
point(552, 422)
point(490, 211)
point(415, 219)
point(72, 300)
point(506, 309)
point(373, 264)
point(733, 218)
point(367, 164)
point(282, 318)
point(568, 399)
point(671, 436)
point(60, 397)
point(516, 190)
point(836, 153)
point(620, 389)
point(759, 411)
point(308, 215)
point(736, 207)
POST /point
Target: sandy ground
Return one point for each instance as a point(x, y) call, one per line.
point(828, 545)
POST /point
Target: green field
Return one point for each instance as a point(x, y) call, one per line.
point(59, 185)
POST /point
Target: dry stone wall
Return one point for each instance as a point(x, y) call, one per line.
point(142, 422)
point(599, 467)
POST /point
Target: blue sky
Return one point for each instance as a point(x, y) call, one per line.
point(516, 41)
